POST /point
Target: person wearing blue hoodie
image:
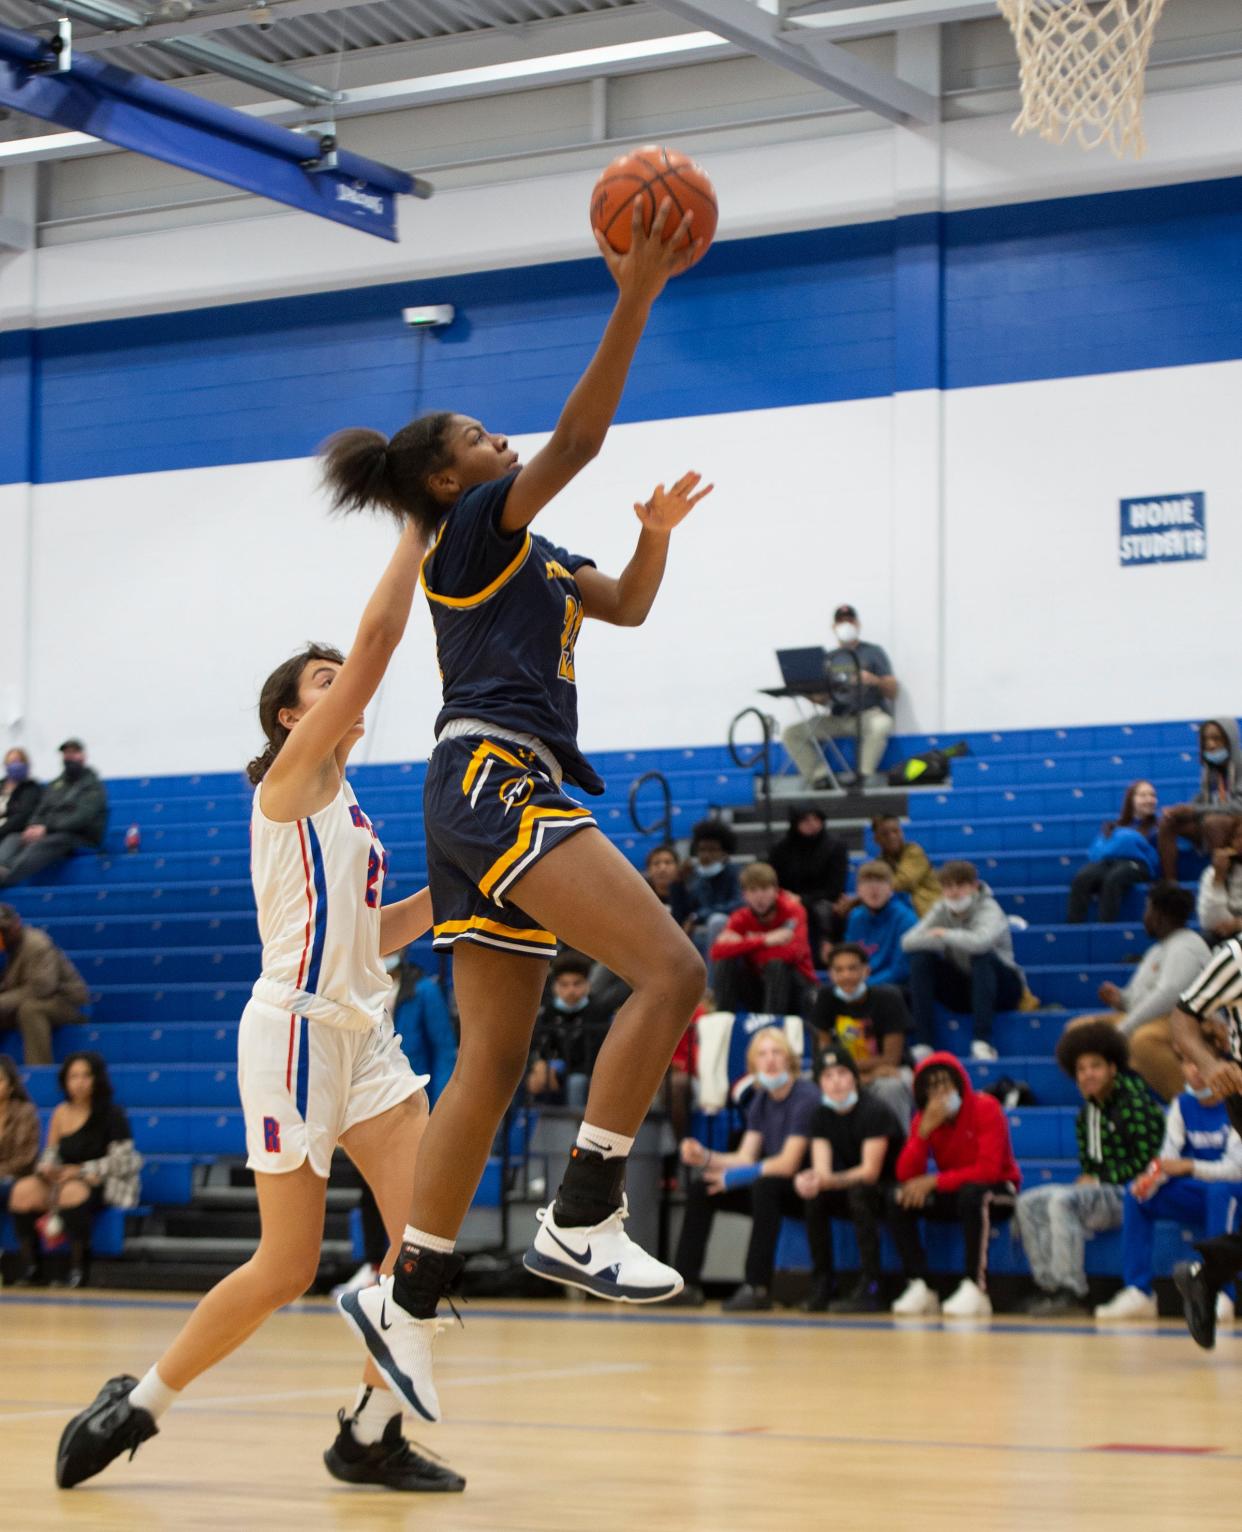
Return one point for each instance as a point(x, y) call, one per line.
point(1122, 855)
point(1207, 821)
point(878, 922)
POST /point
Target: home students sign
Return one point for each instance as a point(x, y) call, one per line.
point(1164, 529)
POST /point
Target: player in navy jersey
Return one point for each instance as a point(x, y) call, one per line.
point(318, 1062)
point(514, 862)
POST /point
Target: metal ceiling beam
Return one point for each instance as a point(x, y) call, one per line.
point(204, 53)
point(889, 16)
point(814, 58)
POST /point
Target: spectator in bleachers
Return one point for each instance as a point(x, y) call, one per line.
point(421, 1020)
point(913, 874)
point(756, 1178)
point(761, 961)
point(1207, 820)
point(855, 1142)
point(815, 865)
point(1122, 855)
point(1220, 890)
point(89, 1163)
point(975, 1184)
point(1143, 1011)
point(877, 923)
point(71, 816)
point(39, 988)
point(961, 954)
point(19, 1129)
point(711, 885)
point(1198, 1184)
point(1119, 1130)
point(19, 795)
point(870, 1022)
point(861, 690)
point(569, 1032)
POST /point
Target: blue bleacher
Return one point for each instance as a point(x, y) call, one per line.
point(167, 942)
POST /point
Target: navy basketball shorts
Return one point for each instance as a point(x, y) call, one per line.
point(491, 810)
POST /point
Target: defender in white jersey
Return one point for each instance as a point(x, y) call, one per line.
point(318, 1062)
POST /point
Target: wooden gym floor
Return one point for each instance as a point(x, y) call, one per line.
point(572, 1415)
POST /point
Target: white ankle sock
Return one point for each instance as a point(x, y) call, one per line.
point(413, 1236)
point(153, 1395)
point(373, 1408)
point(613, 1146)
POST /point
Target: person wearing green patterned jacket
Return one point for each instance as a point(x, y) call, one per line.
point(1120, 1129)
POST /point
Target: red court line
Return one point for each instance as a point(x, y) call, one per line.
point(1154, 1449)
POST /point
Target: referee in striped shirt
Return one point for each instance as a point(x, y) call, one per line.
point(1207, 1028)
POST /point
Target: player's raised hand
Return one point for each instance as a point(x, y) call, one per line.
point(668, 508)
point(652, 257)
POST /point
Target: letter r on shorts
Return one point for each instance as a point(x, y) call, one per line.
point(271, 1135)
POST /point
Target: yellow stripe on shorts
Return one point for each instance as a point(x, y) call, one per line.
point(531, 816)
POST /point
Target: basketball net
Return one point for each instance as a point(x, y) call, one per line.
point(1082, 66)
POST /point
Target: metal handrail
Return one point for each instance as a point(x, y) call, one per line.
point(662, 826)
point(760, 755)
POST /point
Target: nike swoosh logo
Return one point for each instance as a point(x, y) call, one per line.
point(582, 1260)
point(384, 1325)
point(603, 1148)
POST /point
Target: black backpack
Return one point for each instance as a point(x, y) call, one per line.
point(928, 769)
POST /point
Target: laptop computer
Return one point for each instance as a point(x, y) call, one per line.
point(803, 667)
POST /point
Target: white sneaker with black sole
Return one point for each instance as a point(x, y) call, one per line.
point(400, 1345)
point(601, 1259)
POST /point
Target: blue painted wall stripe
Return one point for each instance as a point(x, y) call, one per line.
point(1064, 288)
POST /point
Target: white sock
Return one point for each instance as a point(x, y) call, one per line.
point(153, 1395)
point(373, 1408)
point(413, 1236)
point(613, 1146)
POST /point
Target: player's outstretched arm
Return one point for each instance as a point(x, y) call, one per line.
point(311, 746)
point(626, 600)
point(404, 921)
point(640, 275)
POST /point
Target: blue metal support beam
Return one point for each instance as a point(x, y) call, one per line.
point(149, 117)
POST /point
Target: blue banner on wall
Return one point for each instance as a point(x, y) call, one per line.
point(1163, 529)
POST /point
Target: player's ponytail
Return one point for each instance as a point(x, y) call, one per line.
point(363, 470)
point(280, 691)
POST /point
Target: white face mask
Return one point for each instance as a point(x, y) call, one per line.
point(959, 904)
point(773, 1081)
point(847, 632)
point(710, 869)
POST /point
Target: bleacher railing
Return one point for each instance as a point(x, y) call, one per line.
point(759, 755)
point(663, 825)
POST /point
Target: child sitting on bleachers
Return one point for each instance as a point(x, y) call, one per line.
point(1119, 1129)
point(1199, 1182)
point(878, 921)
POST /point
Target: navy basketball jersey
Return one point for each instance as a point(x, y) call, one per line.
point(507, 611)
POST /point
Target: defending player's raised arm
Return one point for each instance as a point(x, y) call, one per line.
point(626, 599)
point(640, 275)
point(311, 746)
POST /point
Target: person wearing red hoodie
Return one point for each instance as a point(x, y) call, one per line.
point(761, 961)
point(975, 1183)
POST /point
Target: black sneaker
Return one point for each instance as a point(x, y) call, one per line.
point(748, 1300)
point(391, 1462)
point(1199, 1302)
point(1056, 1305)
point(105, 1429)
point(862, 1298)
point(818, 1299)
point(691, 1296)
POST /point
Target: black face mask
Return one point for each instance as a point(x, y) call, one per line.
point(72, 770)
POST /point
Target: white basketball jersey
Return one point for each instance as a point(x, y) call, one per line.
point(318, 884)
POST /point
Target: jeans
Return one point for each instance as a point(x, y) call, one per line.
point(19, 861)
point(768, 1200)
point(1212, 1205)
point(1055, 1222)
point(776, 989)
point(991, 985)
point(976, 1206)
point(1109, 881)
point(864, 1207)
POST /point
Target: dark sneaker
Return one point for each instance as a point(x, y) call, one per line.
point(1199, 1302)
point(1058, 1305)
point(748, 1300)
point(105, 1429)
point(862, 1298)
point(691, 1296)
point(390, 1462)
point(818, 1299)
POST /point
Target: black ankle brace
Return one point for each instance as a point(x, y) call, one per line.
point(591, 1190)
point(422, 1277)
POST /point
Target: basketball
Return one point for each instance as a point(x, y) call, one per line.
point(649, 175)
